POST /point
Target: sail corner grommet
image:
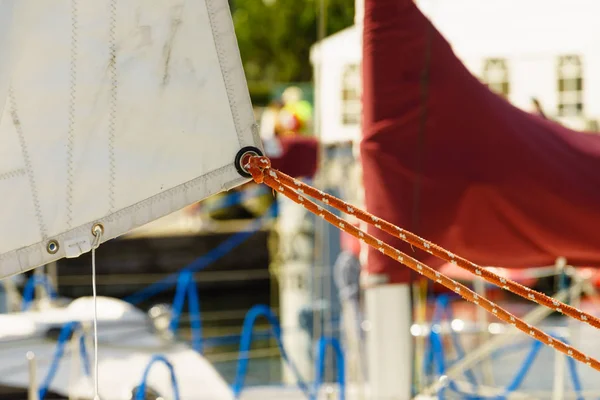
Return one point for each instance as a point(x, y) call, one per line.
point(52, 247)
point(242, 157)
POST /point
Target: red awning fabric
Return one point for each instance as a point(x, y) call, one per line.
point(295, 155)
point(449, 160)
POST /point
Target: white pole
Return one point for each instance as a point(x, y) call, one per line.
point(389, 341)
point(32, 393)
point(40, 290)
point(420, 305)
point(573, 324)
point(52, 271)
point(484, 334)
point(359, 15)
point(294, 286)
point(558, 391)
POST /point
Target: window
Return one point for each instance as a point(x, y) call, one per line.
point(592, 125)
point(351, 105)
point(570, 86)
point(496, 77)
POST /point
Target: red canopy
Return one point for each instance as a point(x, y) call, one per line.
point(295, 155)
point(449, 160)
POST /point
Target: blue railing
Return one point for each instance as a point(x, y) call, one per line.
point(322, 345)
point(65, 334)
point(141, 389)
point(443, 308)
point(246, 341)
point(29, 289)
point(201, 262)
point(186, 285)
point(436, 358)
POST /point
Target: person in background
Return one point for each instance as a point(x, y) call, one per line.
point(269, 120)
point(282, 124)
point(296, 114)
point(270, 129)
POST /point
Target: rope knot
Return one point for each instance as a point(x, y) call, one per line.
point(257, 165)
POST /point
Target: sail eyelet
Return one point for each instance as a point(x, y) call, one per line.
point(52, 247)
point(98, 229)
point(242, 157)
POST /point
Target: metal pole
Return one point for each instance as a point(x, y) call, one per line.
point(322, 322)
point(52, 270)
point(559, 359)
point(361, 378)
point(484, 335)
point(558, 392)
point(32, 393)
point(40, 293)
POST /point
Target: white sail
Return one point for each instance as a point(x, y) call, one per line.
point(6, 48)
point(118, 113)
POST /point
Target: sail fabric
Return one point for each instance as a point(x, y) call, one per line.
point(118, 113)
point(448, 159)
point(7, 36)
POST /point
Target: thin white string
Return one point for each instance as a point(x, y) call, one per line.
point(98, 236)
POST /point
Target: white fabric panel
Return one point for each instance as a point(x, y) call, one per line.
point(119, 112)
point(6, 18)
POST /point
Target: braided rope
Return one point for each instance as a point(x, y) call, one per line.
point(445, 255)
point(260, 168)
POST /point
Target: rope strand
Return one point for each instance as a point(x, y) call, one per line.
point(295, 190)
point(432, 248)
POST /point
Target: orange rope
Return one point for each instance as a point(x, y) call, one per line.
point(260, 168)
point(440, 252)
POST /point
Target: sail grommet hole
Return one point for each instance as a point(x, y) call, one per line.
point(52, 247)
point(243, 157)
point(97, 229)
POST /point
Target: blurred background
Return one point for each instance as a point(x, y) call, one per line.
point(249, 247)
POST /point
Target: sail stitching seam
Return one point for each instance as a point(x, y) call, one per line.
point(28, 166)
point(223, 65)
point(128, 211)
point(72, 100)
point(12, 174)
point(113, 105)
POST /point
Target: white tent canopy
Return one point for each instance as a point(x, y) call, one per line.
point(117, 113)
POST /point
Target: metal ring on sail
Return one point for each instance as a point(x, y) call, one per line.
point(242, 158)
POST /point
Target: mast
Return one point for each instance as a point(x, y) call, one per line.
point(359, 14)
